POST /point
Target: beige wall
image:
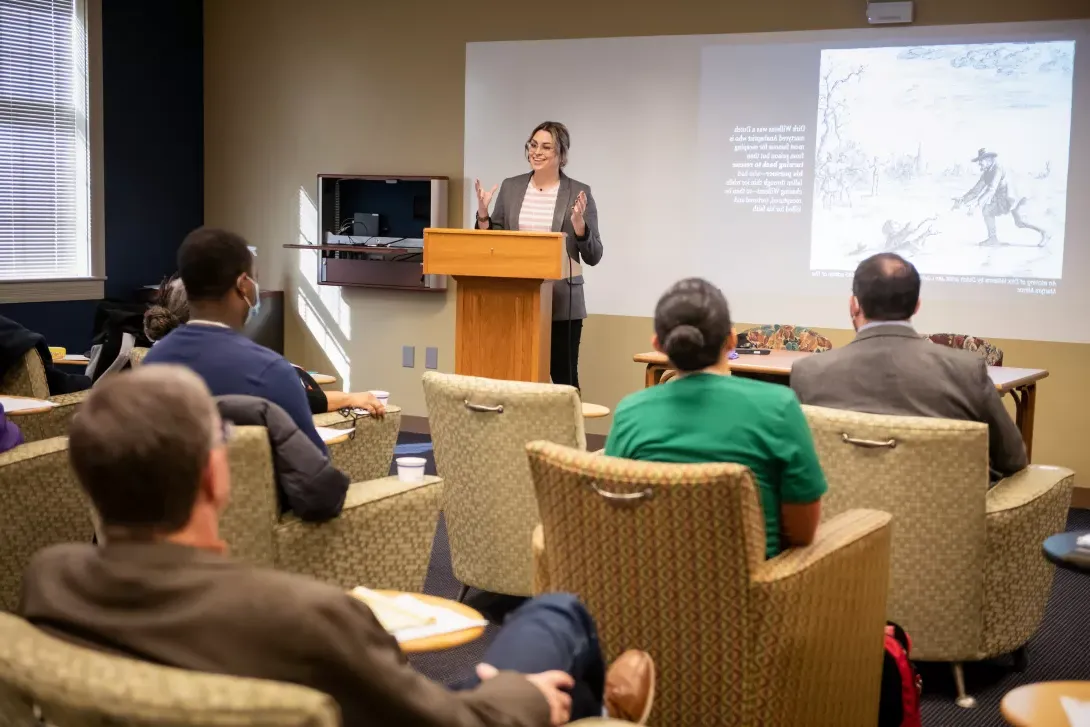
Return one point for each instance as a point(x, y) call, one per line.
point(295, 88)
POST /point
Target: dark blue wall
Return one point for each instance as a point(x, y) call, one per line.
point(153, 139)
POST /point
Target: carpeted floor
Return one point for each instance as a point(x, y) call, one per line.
point(1060, 649)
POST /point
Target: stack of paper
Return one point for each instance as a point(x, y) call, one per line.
point(1082, 543)
point(328, 434)
point(1078, 711)
point(408, 618)
point(18, 403)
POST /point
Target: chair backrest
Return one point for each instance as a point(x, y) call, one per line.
point(253, 511)
point(668, 572)
point(42, 505)
point(136, 355)
point(70, 686)
point(26, 377)
point(932, 476)
point(991, 353)
point(788, 338)
point(480, 428)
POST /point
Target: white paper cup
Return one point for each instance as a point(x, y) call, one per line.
point(411, 469)
point(382, 396)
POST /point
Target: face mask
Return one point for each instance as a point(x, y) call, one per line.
point(256, 305)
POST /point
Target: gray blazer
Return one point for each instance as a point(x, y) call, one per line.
point(307, 483)
point(568, 300)
point(890, 369)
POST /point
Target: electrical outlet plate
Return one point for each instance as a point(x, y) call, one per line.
point(431, 358)
point(408, 356)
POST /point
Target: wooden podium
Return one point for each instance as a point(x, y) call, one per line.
point(505, 298)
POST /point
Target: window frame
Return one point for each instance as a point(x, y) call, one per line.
point(92, 287)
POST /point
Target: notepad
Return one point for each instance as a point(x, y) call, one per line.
point(76, 358)
point(13, 404)
point(1077, 711)
point(393, 616)
point(407, 618)
point(328, 434)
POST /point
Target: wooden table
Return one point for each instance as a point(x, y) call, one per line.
point(71, 360)
point(23, 412)
point(1021, 384)
point(594, 411)
point(444, 641)
point(1038, 705)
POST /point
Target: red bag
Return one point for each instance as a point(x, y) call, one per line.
point(901, 684)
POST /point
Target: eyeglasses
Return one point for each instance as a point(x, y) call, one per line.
point(546, 148)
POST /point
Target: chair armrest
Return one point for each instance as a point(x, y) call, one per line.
point(1022, 488)
point(541, 583)
point(382, 539)
point(52, 423)
point(818, 616)
point(1022, 510)
point(368, 453)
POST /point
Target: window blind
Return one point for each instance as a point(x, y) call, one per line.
point(45, 214)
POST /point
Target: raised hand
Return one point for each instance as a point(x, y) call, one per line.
point(484, 198)
point(579, 209)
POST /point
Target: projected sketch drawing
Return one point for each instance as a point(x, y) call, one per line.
point(903, 132)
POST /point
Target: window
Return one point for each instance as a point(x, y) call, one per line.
point(45, 185)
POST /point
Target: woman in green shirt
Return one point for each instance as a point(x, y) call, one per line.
point(707, 415)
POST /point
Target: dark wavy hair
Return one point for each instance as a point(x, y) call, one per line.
point(692, 323)
point(171, 309)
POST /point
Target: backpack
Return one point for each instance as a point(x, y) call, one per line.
point(119, 327)
point(901, 684)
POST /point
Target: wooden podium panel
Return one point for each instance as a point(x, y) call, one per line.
point(504, 328)
point(494, 253)
point(505, 296)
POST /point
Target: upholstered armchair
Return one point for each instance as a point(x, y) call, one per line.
point(671, 559)
point(369, 452)
point(480, 428)
point(382, 538)
point(968, 580)
point(27, 378)
point(44, 680)
point(43, 505)
point(367, 455)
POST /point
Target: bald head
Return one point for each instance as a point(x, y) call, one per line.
point(140, 446)
point(887, 288)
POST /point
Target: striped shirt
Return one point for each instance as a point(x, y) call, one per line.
point(536, 215)
point(537, 209)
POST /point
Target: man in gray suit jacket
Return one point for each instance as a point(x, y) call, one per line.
point(890, 369)
point(149, 449)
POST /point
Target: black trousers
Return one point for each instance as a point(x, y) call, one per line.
point(564, 366)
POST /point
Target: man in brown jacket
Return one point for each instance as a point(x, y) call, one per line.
point(149, 449)
point(890, 369)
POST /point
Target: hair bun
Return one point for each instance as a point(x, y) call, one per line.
point(684, 344)
point(159, 321)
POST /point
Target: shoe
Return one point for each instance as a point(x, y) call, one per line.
point(630, 687)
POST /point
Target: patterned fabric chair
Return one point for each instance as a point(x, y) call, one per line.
point(367, 455)
point(991, 353)
point(44, 680)
point(788, 338)
point(27, 378)
point(137, 354)
point(480, 428)
point(968, 581)
point(382, 539)
point(43, 505)
point(670, 558)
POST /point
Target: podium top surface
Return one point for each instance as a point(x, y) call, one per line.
point(494, 253)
